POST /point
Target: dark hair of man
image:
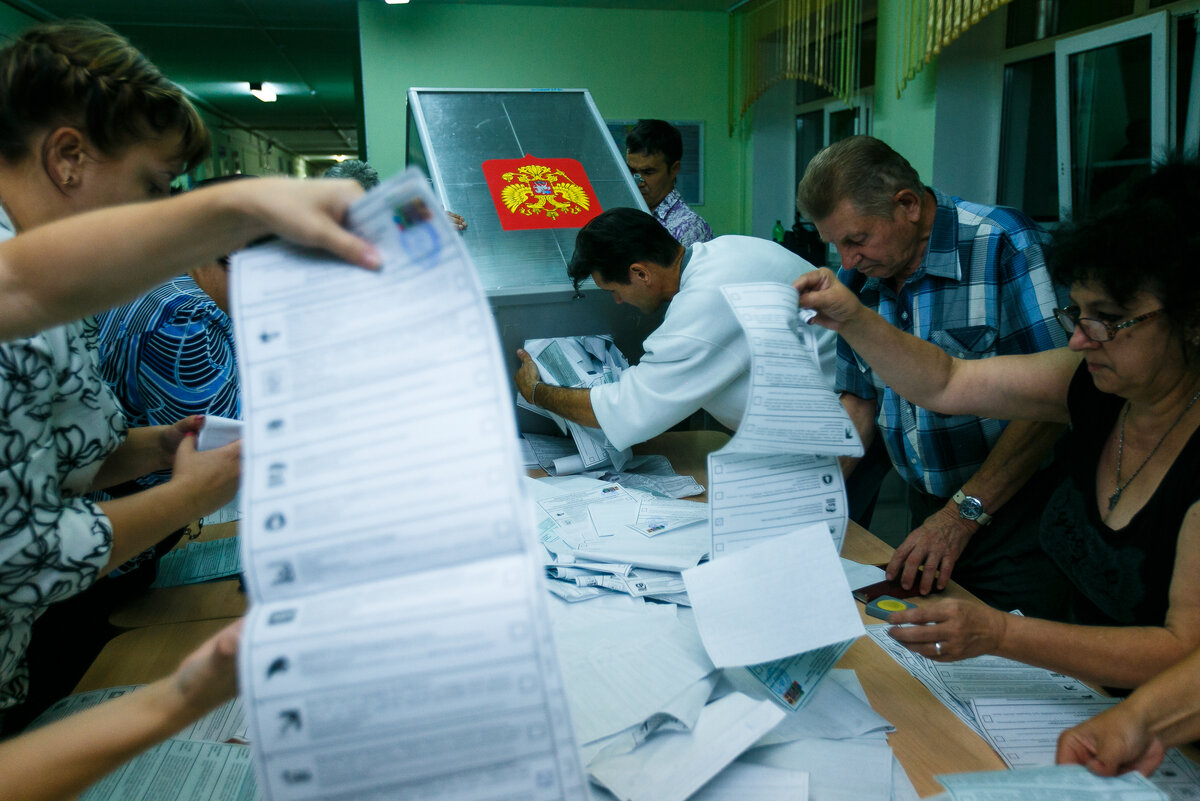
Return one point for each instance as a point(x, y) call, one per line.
point(861, 169)
point(1147, 243)
point(655, 136)
point(610, 243)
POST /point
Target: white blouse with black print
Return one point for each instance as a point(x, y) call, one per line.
point(59, 421)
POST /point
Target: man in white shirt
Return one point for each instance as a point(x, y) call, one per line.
point(698, 358)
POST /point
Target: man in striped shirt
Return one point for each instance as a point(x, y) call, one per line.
point(971, 279)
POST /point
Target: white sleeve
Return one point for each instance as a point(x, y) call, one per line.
point(687, 361)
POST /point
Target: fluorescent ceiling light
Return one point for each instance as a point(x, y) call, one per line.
point(340, 158)
point(395, 2)
point(263, 91)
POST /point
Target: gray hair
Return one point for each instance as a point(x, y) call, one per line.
point(861, 169)
point(360, 171)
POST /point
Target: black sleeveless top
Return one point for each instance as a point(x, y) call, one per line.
point(1119, 577)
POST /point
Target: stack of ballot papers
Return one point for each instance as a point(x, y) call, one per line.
point(559, 457)
point(198, 562)
point(579, 362)
point(1020, 709)
point(656, 719)
point(205, 761)
point(602, 537)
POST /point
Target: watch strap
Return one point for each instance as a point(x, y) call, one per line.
point(982, 519)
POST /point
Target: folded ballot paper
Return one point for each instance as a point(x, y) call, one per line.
point(580, 362)
point(398, 644)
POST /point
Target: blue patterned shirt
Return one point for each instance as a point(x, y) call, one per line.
point(169, 354)
point(982, 290)
point(684, 224)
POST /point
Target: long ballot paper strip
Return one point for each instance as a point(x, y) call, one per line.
point(398, 643)
point(779, 472)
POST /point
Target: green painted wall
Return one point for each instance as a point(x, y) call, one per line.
point(12, 22)
point(671, 65)
point(906, 123)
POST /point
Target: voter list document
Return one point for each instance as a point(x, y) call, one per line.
point(780, 471)
point(398, 644)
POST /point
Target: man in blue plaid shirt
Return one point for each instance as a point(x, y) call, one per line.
point(971, 279)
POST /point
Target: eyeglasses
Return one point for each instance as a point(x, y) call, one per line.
point(1096, 330)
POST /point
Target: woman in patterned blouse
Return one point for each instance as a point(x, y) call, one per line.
point(87, 122)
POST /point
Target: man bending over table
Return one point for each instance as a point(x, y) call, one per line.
point(698, 358)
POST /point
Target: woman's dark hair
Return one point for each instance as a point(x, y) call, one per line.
point(83, 74)
point(1149, 242)
point(617, 238)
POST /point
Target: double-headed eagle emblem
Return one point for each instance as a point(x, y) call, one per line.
point(536, 189)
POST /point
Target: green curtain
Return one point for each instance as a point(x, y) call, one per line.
point(926, 26)
point(778, 40)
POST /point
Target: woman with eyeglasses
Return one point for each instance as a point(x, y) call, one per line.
point(1124, 525)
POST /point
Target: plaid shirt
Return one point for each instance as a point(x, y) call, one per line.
point(982, 290)
point(677, 216)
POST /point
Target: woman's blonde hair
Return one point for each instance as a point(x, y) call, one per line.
point(84, 74)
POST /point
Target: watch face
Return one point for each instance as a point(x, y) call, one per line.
point(970, 508)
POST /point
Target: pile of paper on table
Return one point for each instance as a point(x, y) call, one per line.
point(723, 698)
point(582, 363)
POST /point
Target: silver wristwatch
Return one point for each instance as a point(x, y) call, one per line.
point(971, 508)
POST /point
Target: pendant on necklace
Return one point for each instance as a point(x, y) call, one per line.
point(1112, 499)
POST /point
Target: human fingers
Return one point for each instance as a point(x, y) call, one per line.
point(833, 302)
point(310, 213)
point(896, 563)
point(925, 630)
point(1149, 760)
point(813, 280)
point(945, 570)
point(173, 434)
point(1076, 746)
point(208, 675)
point(212, 475)
point(933, 565)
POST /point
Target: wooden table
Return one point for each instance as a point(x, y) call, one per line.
point(161, 605)
point(928, 740)
point(146, 654)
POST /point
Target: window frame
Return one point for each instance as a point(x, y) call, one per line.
point(1047, 46)
point(1155, 25)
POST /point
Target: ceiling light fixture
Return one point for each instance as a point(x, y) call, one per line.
point(263, 91)
point(396, 2)
point(340, 158)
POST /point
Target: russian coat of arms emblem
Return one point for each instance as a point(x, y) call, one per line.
point(540, 193)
